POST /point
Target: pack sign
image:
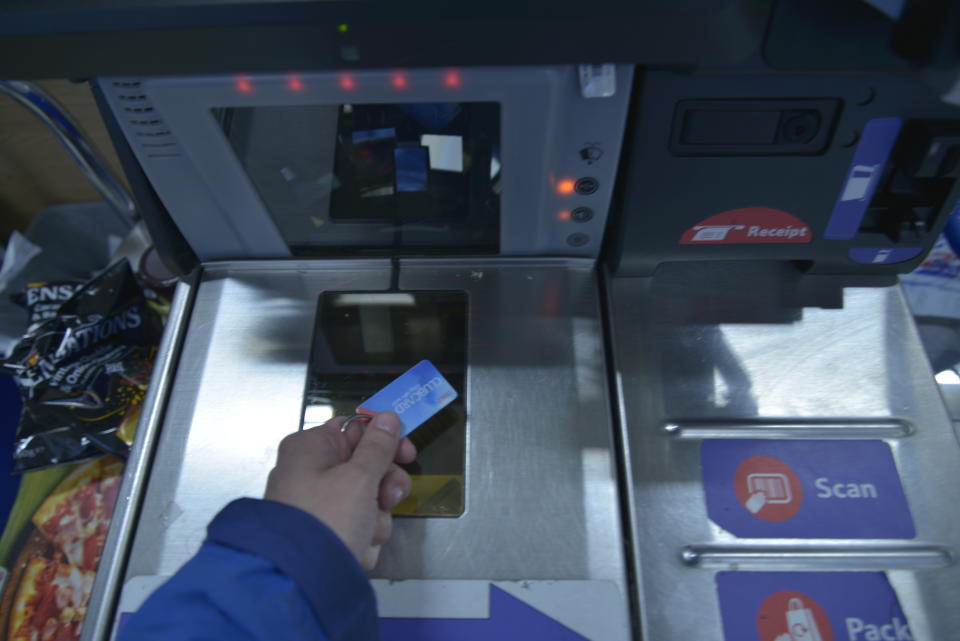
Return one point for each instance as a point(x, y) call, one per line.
point(810, 606)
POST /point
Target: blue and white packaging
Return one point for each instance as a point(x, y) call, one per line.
point(933, 288)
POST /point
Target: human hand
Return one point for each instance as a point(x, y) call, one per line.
point(350, 481)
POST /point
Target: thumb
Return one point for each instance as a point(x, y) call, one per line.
point(378, 445)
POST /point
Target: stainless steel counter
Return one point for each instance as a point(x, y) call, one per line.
point(541, 489)
point(685, 374)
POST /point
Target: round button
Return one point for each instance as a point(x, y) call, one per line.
point(577, 240)
point(581, 214)
point(867, 94)
point(801, 128)
point(848, 139)
point(586, 186)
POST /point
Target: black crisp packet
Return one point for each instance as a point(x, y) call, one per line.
point(83, 373)
point(43, 300)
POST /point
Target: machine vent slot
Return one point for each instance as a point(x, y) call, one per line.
point(152, 136)
point(147, 131)
point(159, 149)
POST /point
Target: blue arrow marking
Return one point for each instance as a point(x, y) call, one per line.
point(510, 620)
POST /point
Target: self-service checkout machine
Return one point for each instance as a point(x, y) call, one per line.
point(726, 430)
point(351, 225)
point(791, 472)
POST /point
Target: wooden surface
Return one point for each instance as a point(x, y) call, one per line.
point(35, 171)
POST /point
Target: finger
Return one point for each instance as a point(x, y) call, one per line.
point(406, 453)
point(318, 447)
point(378, 446)
point(383, 528)
point(394, 487)
point(369, 559)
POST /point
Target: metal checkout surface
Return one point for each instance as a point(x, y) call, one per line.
point(693, 403)
point(515, 485)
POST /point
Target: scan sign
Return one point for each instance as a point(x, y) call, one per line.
point(805, 489)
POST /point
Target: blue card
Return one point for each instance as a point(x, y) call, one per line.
point(415, 396)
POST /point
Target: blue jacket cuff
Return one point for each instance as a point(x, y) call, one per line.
point(314, 558)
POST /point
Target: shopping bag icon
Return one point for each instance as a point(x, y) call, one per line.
point(801, 624)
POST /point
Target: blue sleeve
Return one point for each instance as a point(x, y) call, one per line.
point(267, 571)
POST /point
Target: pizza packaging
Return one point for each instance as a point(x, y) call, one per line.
point(51, 546)
point(83, 373)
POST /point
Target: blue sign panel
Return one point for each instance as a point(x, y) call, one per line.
point(510, 620)
point(883, 255)
point(810, 606)
point(864, 173)
point(805, 489)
